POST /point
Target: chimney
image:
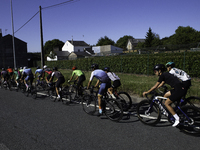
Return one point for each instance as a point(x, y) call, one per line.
point(72, 40)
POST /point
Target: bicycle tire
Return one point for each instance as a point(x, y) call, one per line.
point(66, 96)
point(189, 127)
point(126, 100)
point(73, 92)
point(52, 95)
point(89, 104)
point(149, 117)
point(113, 109)
point(193, 101)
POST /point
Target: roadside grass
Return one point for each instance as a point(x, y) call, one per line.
point(133, 84)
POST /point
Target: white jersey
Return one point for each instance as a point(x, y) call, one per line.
point(180, 74)
point(113, 76)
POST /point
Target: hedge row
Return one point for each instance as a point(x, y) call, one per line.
point(137, 64)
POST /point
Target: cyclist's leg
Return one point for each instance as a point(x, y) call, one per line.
point(102, 89)
point(80, 82)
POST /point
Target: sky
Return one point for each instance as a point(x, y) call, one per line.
point(89, 20)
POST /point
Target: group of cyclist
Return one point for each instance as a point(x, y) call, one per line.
point(178, 79)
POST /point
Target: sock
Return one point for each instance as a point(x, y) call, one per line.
point(176, 117)
point(113, 96)
point(100, 111)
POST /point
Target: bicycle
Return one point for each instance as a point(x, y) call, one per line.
point(31, 90)
point(41, 85)
point(111, 107)
point(192, 100)
point(149, 112)
point(124, 97)
point(76, 94)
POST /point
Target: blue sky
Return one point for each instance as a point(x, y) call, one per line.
point(90, 20)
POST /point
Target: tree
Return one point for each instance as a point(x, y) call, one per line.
point(149, 38)
point(50, 45)
point(105, 41)
point(122, 42)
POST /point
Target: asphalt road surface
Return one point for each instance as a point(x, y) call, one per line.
point(29, 124)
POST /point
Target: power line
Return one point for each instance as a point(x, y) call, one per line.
point(61, 3)
point(27, 22)
point(46, 8)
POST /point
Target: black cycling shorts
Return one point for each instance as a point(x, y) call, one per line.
point(80, 80)
point(60, 81)
point(177, 93)
point(116, 83)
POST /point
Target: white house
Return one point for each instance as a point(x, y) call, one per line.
point(75, 46)
point(107, 49)
point(133, 43)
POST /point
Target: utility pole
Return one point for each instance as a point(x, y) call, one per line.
point(13, 38)
point(41, 36)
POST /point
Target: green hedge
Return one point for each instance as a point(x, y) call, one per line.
point(135, 63)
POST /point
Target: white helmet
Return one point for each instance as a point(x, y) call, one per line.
point(45, 67)
point(25, 67)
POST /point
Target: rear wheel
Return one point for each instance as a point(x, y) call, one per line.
point(193, 101)
point(190, 121)
point(112, 109)
point(126, 100)
point(148, 112)
point(52, 95)
point(89, 104)
point(73, 93)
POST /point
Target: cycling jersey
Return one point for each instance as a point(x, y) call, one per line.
point(27, 72)
point(113, 76)
point(182, 75)
point(48, 71)
point(10, 70)
point(101, 75)
point(40, 71)
point(17, 74)
point(77, 72)
point(4, 74)
point(57, 74)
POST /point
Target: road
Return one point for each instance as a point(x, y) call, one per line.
point(29, 124)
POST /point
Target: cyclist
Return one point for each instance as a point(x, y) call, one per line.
point(4, 75)
point(17, 76)
point(105, 82)
point(80, 77)
point(180, 74)
point(28, 75)
point(41, 74)
point(114, 78)
point(175, 94)
point(49, 72)
point(60, 79)
point(10, 72)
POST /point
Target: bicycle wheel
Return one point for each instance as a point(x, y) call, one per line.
point(126, 100)
point(148, 112)
point(193, 101)
point(89, 104)
point(66, 96)
point(52, 95)
point(112, 109)
point(34, 93)
point(73, 92)
point(190, 121)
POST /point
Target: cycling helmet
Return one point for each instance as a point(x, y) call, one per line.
point(55, 68)
point(94, 66)
point(8, 67)
point(106, 69)
point(159, 67)
point(74, 68)
point(45, 67)
point(3, 69)
point(25, 67)
point(38, 67)
point(16, 69)
point(172, 64)
point(21, 68)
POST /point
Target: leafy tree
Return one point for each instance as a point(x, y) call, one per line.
point(122, 42)
point(50, 45)
point(105, 41)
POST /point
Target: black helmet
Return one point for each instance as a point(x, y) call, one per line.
point(55, 68)
point(94, 66)
point(3, 69)
point(38, 67)
point(159, 67)
point(106, 69)
point(172, 64)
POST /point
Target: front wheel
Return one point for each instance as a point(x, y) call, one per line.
point(148, 112)
point(189, 120)
point(193, 101)
point(112, 109)
point(89, 103)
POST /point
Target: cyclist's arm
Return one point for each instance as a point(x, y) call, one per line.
point(153, 88)
point(96, 85)
point(161, 84)
point(89, 83)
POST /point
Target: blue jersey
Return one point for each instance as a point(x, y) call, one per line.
point(27, 72)
point(101, 75)
point(40, 71)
